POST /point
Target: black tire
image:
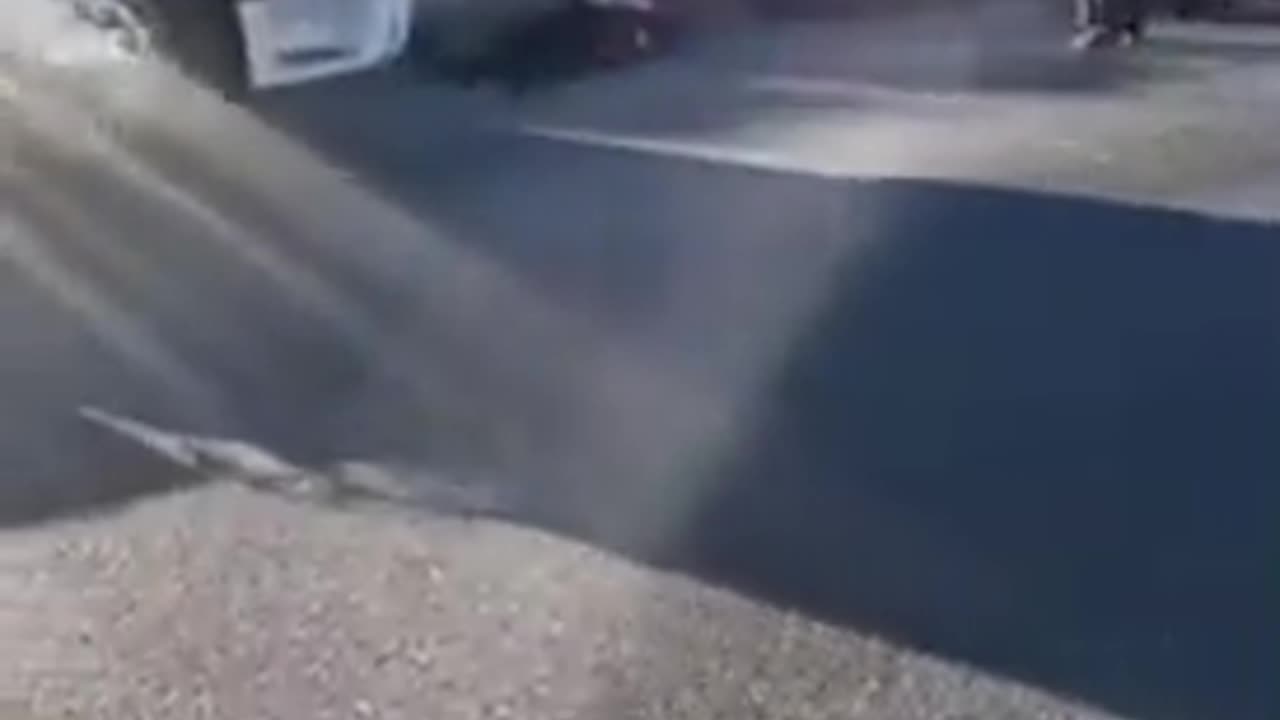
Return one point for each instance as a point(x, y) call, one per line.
point(201, 38)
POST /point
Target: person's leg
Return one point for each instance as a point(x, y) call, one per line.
point(1092, 30)
point(1109, 23)
point(1133, 18)
point(1088, 13)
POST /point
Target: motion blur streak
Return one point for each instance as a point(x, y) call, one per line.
point(116, 328)
point(436, 328)
point(228, 209)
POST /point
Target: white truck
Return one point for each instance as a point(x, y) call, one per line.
point(247, 45)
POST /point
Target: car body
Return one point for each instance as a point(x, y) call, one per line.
point(286, 42)
point(246, 45)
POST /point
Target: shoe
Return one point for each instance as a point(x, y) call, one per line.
point(1101, 37)
point(1135, 31)
point(1096, 37)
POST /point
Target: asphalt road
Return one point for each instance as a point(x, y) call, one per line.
point(926, 332)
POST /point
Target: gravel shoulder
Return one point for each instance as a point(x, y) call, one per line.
point(223, 602)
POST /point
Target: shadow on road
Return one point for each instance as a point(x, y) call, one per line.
point(1034, 433)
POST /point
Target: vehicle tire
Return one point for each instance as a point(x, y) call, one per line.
point(201, 38)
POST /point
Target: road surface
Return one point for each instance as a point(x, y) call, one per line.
point(912, 368)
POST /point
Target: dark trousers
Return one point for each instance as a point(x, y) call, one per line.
point(1118, 14)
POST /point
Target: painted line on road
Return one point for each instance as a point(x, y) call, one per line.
point(752, 158)
point(857, 90)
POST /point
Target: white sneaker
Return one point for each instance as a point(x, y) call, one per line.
point(1100, 37)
